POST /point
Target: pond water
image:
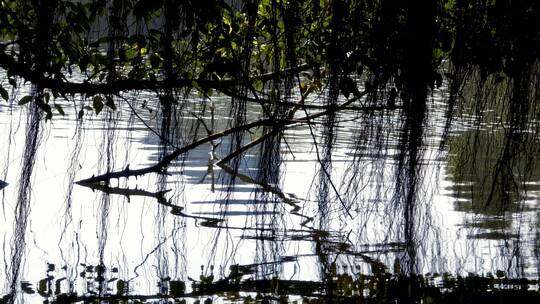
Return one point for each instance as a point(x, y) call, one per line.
point(141, 235)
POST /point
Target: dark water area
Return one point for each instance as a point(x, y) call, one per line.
point(191, 236)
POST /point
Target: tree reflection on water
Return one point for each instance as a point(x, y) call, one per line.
point(377, 151)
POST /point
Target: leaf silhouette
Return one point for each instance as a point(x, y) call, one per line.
point(26, 99)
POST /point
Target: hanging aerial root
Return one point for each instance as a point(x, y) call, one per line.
point(161, 166)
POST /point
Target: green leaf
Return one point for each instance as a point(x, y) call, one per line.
point(120, 287)
point(45, 107)
point(43, 286)
point(4, 93)
point(98, 104)
point(27, 288)
point(258, 84)
point(110, 103)
point(59, 109)
point(26, 99)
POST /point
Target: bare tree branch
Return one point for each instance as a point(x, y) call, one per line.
point(8, 63)
point(161, 166)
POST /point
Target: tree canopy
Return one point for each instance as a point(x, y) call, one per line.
point(124, 45)
point(265, 51)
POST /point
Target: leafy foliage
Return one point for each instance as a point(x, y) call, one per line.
point(161, 41)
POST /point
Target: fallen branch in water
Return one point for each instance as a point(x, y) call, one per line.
point(279, 124)
point(127, 192)
point(160, 167)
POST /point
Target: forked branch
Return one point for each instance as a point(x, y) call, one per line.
point(161, 166)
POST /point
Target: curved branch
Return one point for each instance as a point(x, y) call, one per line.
point(161, 166)
point(8, 63)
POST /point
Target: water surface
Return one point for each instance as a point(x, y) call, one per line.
point(140, 235)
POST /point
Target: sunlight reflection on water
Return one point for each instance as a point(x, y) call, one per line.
point(149, 237)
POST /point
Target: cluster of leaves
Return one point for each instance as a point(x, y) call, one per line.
point(497, 36)
point(160, 41)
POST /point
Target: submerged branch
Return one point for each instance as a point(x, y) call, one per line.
point(251, 145)
point(161, 166)
point(160, 195)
